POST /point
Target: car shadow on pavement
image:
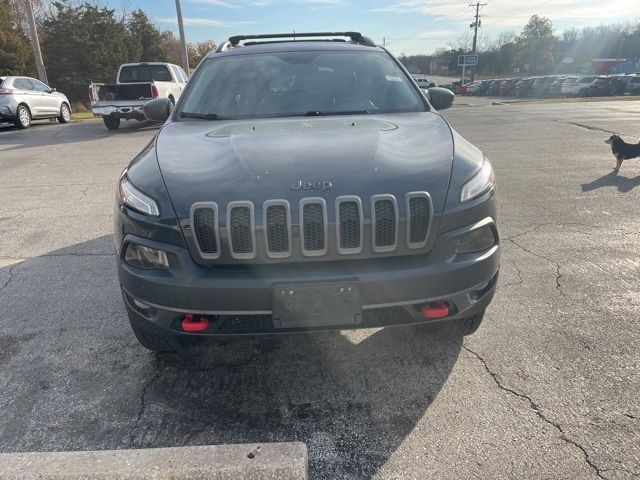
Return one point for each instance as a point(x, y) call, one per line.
point(613, 179)
point(75, 378)
point(74, 132)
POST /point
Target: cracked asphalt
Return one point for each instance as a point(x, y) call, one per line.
point(547, 388)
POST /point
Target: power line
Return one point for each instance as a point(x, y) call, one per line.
point(447, 19)
point(541, 4)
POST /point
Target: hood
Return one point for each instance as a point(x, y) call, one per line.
point(224, 161)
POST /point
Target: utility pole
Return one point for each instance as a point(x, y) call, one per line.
point(384, 42)
point(183, 42)
point(35, 43)
point(475, 25)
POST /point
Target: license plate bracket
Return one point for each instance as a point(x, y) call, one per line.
point(316, 304)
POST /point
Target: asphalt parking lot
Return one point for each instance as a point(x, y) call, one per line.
point(549, 387)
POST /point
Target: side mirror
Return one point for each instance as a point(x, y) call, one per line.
point(158, 110)
point(52, 90)
point(440, 98)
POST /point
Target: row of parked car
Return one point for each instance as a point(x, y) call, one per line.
point(554, 86)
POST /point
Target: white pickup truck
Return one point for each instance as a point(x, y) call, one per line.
point(136, 84)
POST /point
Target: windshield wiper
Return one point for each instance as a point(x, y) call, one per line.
point(319, 113)
point(204, 116)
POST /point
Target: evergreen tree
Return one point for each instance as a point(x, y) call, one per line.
point(537, 45)
point(16, 54)
point(147, 42)
point(82, 44)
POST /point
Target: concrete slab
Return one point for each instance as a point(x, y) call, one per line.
point(282, 461)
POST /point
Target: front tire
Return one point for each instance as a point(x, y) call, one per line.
point(156, 340)
point(23, 117)
point(112, 123)
point(65, 113)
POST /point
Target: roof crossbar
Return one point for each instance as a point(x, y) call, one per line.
point(355, 37)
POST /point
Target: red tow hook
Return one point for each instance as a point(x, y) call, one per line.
point(438, 309)
point(190, 324)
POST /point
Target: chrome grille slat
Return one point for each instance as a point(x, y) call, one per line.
point(349, 221)
point(241, 230)
point(384, 223)
point(311, 238)
point(277, 227)
point(205, 225)
point(419, 214)
point(313, 226)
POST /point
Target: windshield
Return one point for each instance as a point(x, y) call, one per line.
point(144, 73)
point(299, 83)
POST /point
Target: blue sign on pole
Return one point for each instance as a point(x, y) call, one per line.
point(471, 60)
point(467, 60)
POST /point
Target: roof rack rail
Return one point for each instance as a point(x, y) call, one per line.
point(355, 37)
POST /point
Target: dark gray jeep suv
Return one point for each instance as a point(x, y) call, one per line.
point(304, 184)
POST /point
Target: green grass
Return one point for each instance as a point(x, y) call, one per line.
point(82, 116)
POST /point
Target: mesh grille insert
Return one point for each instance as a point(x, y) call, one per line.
point(240, 228)
point(245, 323)
point(418, 219)
point(204, 226)
point(349, 224)
point(277, 229)
point(385, 228)
point(313, 226)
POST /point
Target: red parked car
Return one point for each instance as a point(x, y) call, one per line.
point(463, 89)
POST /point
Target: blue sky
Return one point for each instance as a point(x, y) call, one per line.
point(409, 26)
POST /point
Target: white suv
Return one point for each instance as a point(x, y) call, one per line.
point(578, 87)
point(23, 99)
point(633, 85)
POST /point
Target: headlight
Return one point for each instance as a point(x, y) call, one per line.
point(480, 183)
point(135, 199)
point(145, 257)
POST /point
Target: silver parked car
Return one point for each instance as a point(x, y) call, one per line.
point(23, 99)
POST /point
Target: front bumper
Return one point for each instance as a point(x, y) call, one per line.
point(237, 299)
point(7, 114)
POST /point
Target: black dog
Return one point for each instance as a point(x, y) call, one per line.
point(622, 150)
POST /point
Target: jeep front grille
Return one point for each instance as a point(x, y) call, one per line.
point(419, 213)
point(204, 221)
point(241, 227)
point(349, 224)
point(277, 224)
point(280, 238)
point(384, 223)
point(313, 222)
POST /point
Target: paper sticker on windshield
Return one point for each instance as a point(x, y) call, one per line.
point(391, 78)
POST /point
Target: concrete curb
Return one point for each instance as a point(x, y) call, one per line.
point(266, 461)
point(620, 98)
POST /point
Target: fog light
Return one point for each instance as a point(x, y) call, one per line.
point(145, 257)
point(476, 240)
